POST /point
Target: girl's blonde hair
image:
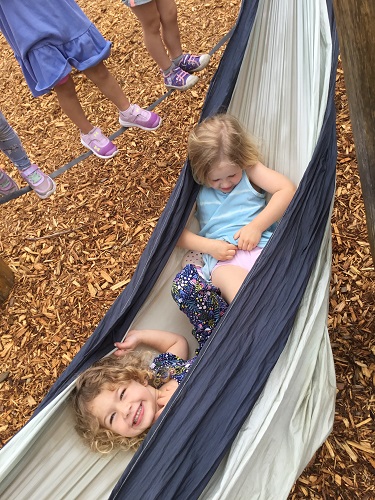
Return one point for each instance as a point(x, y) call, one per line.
point(108, 373)
point(219, 138)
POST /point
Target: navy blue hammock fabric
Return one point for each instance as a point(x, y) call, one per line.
point(185, 446)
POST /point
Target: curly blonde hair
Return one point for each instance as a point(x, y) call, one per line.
point(108, 373)
point(219, 138)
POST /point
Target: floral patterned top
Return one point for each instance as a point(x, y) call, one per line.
point(167, 365)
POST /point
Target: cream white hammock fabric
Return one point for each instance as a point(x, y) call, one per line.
point(281, 95)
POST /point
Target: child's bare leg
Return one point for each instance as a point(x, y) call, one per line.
point(229, 279)
point(149, 17)
point(108, 84)
point(68, 100)
point(170, 31)
point(130, 115)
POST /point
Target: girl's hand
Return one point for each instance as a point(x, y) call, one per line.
point(164, 394)
point(222, 250)
point(248, 237)
point(129, 344)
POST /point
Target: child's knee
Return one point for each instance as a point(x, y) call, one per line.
point(99, 71)
point(169, 15)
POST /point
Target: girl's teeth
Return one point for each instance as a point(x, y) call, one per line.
point(137, 415)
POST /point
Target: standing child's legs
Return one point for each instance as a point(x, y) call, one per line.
point(149, 17)
point(131, 115)
point(91, 137)
point(154, 16)
point(11, 145)
point(169, 25)
point(171, 37)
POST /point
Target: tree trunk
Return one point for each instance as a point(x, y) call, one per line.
point(6, 281)
point(355, 21)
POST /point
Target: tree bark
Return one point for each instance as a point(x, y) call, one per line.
point(6, 281)
point(355, 21)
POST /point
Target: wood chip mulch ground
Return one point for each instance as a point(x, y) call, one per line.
point(75, 252)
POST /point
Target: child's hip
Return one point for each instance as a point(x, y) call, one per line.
point(243, 258)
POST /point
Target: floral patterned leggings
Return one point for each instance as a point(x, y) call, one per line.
point(200, 301)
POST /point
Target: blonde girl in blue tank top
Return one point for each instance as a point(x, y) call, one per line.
point(235, 219)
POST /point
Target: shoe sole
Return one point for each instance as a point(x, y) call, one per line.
point(129, 124)
point(97, 154)
point(188, 85)
point(10, 191)
point(43, 196)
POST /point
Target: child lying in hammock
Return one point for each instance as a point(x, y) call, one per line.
point(118, 399)
point(232, 212)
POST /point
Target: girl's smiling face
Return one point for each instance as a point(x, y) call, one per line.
point(224, 177)
point(128, 410)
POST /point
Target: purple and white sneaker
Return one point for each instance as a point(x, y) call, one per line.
point(135, 116)
point(191, 63)
point(99, 144)
point(39, 182)
point(7, 184)
point(179, 79)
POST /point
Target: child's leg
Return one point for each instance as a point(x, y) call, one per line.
point(68, 100)
point(200, 301)
point(149, 17)
point(152, 16)
point(131, 115)
point(229, 279)
point(169, 23)
point(108, 84)
point(91, 137)
point(10, 144)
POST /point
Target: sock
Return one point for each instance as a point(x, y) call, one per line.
point(177, 60)
point(168, 70)
point(127, 112)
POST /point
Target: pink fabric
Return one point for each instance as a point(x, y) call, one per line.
point(63, 80)
point(243, 258)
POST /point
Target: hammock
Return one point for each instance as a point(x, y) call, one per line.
point(260, 398)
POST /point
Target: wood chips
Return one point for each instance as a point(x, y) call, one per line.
point(73, 253)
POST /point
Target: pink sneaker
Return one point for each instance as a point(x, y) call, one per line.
point(99, 144)
point(135, 116)
point(39, 182)
point(7, 184)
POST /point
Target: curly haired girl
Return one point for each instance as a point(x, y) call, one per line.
point(118, 399)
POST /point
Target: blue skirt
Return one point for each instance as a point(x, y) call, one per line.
point(48, 38)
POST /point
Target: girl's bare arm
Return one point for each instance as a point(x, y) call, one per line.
point(159, 340)
point(281, 189)
point(219, 249)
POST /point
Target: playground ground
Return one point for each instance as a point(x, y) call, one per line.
point(74, 253)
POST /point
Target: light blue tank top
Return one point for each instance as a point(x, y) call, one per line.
point(221, 215)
